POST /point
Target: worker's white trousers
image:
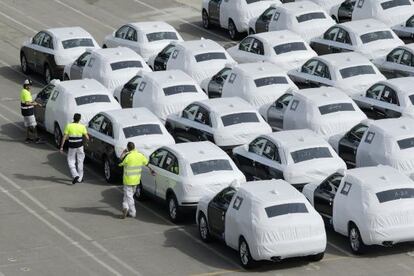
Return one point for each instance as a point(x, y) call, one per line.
point(76, 155)
point(128, 202)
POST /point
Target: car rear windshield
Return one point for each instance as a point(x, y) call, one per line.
point(92, 99)
point(126, 64)
point(395, 194)
point(252, 1)
point(374, 36)
point(394, 3)
point(210, 166)
point(310, 153)
point(161, 36)
point(356, 71)
point(406, 143)
point(310, 16)
point(284, 209)
point(270, 80)
point(238, 118)
point(210, 56)
point(147, 129)
point(77, 42)
point(172, 90)
point(289, 47)
point(332, 108)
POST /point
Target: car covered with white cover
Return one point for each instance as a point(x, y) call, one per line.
point(162, 92)
point(61, 99)
point(325, 110)
point(350, 72)
point(200, 59)
point(233, 15)
point(182, 174)
point(371, 206)
point(112, 67)
point(145, 38)
point(304, 18)
point(297, 156)
point(369, 37)
point(283, 48)
point(50, 50)
point(110, 131)
point(339, 10)
point(398, 63)
point(264, 220)
point(227, 122)
point(388, 99)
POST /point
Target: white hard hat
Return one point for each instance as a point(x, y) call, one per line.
point(27, 82)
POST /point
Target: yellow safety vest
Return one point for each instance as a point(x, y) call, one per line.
point(75, 132)
point(25, 96)
point(132, 164)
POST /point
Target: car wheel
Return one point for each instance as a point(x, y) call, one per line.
point(47, 74)
point(66, 77)
point(23, 64)
point(57, 135)
point(234, 34)
point(317, 257)
point(251, 31)
point(108, 171)
point(173, 211)
point(203, 228)
point(355, 240)
point(246, 259)
point(205, 19)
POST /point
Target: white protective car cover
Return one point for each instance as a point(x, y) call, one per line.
point(99, 66)
point(183, 58)
point(284, 236)
point(330, 6)
point(377, 222)
point(152, 95)
point(384, 149)
point(243, 83)
point(307, 113)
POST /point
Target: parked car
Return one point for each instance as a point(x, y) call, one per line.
point(350, 72)
point(371, 206)
point(200, 59)
point(304, 18)
point(297, 156)
point(263, 220)
point(339, 10)
point(145, 38)
point(61, 99)
point(182, 174)
point(163, 92)
point(50, 50)
point(398, 63)
point(110, 131)
point(283, 48)
point(158, 62)
point(368, 37)
point(233, 15)
point(227, 122)
point(388, 99)
point(213, 86)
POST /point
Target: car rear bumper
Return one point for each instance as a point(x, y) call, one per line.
point(391, 235)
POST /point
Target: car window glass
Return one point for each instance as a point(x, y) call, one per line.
point(121, 32)
point(267, 15)
point(222, 75)
point(45, 93)
point(309, 66)
point(245, 44)
point(374, 91)
point(395, 55)
point(343, 37)
point(271, 152)
point(203, 116)
point(331, 33)
point(81, 61)
point(225, 196)
point(171, 164)
point(257, 146)
point(96, 122)
point(47, 42)
point(283, 101)
point(257, 47)
point(357, 132)
point(106, 128)
point(389, 96)
point(37, 39)
point(190, 112)
point(406, 59)
point(157, 158)
point(131, 34)
point(322, 71)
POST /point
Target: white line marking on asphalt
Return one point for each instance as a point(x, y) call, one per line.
point(25, 15)
point(340, 249)
point(18, 22)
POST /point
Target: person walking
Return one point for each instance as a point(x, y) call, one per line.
point(74, 133)
point(132, 161)
point(27, 109)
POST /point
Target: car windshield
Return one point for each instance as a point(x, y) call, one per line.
point(147, 129)
point(270, 80)
point(126, 64)
point(395, 194)
point(406, 143)
point(210, 56)
point(238, 118)
point(162, 36)
point(310, 153)
point(337, 107)
point(310, 16)
point(178, 89)
point(374, 36)
point(77, 42)
point(289, 47)
point(356, 71)
point(210, 166)
point(92, 99)
point(394, 3)
point(284, 209)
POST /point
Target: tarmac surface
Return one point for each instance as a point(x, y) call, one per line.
point(49, 227)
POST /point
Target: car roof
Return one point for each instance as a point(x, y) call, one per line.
point(344, 60)
point(258, 69)
point(197, 151)
point(393, 127)
point(81, 87)
point(200, 46)
point(132, 116)
point(323, 95)
point(402, 85)
point(227, 105)
point(301, 7)
point(298, 138)
point(68, 32)
point(116, 54)
point(278, 37)
point(360, 27)
point(152, 26)
point(169, 78)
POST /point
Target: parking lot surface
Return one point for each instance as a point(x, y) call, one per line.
point(48, 227)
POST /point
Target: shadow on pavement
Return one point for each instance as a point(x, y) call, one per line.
point(10, 74)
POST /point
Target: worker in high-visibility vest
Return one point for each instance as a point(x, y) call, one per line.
point(132, 161)
point(27, 109)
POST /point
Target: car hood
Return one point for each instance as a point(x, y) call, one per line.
point(359, 84)
point(67, 56)
point(240, 133)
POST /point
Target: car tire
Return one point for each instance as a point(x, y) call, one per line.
point(66, 77)
point(139, 193)
point(173, 210)
point(233, 33)
point(203, 228)
point(246, 259)
point(205, 20)
point(57, 134)
point(108, 171)
point(316, 257)
point(47, 74)
point(23, 64)
point(355, 241)
point(251, 31)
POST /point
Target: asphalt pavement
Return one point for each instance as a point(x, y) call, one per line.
point(49, 227)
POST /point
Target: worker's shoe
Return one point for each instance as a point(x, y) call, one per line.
point(28, 140)
point(39, 141)
point(124, 213)
point(75, 180)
